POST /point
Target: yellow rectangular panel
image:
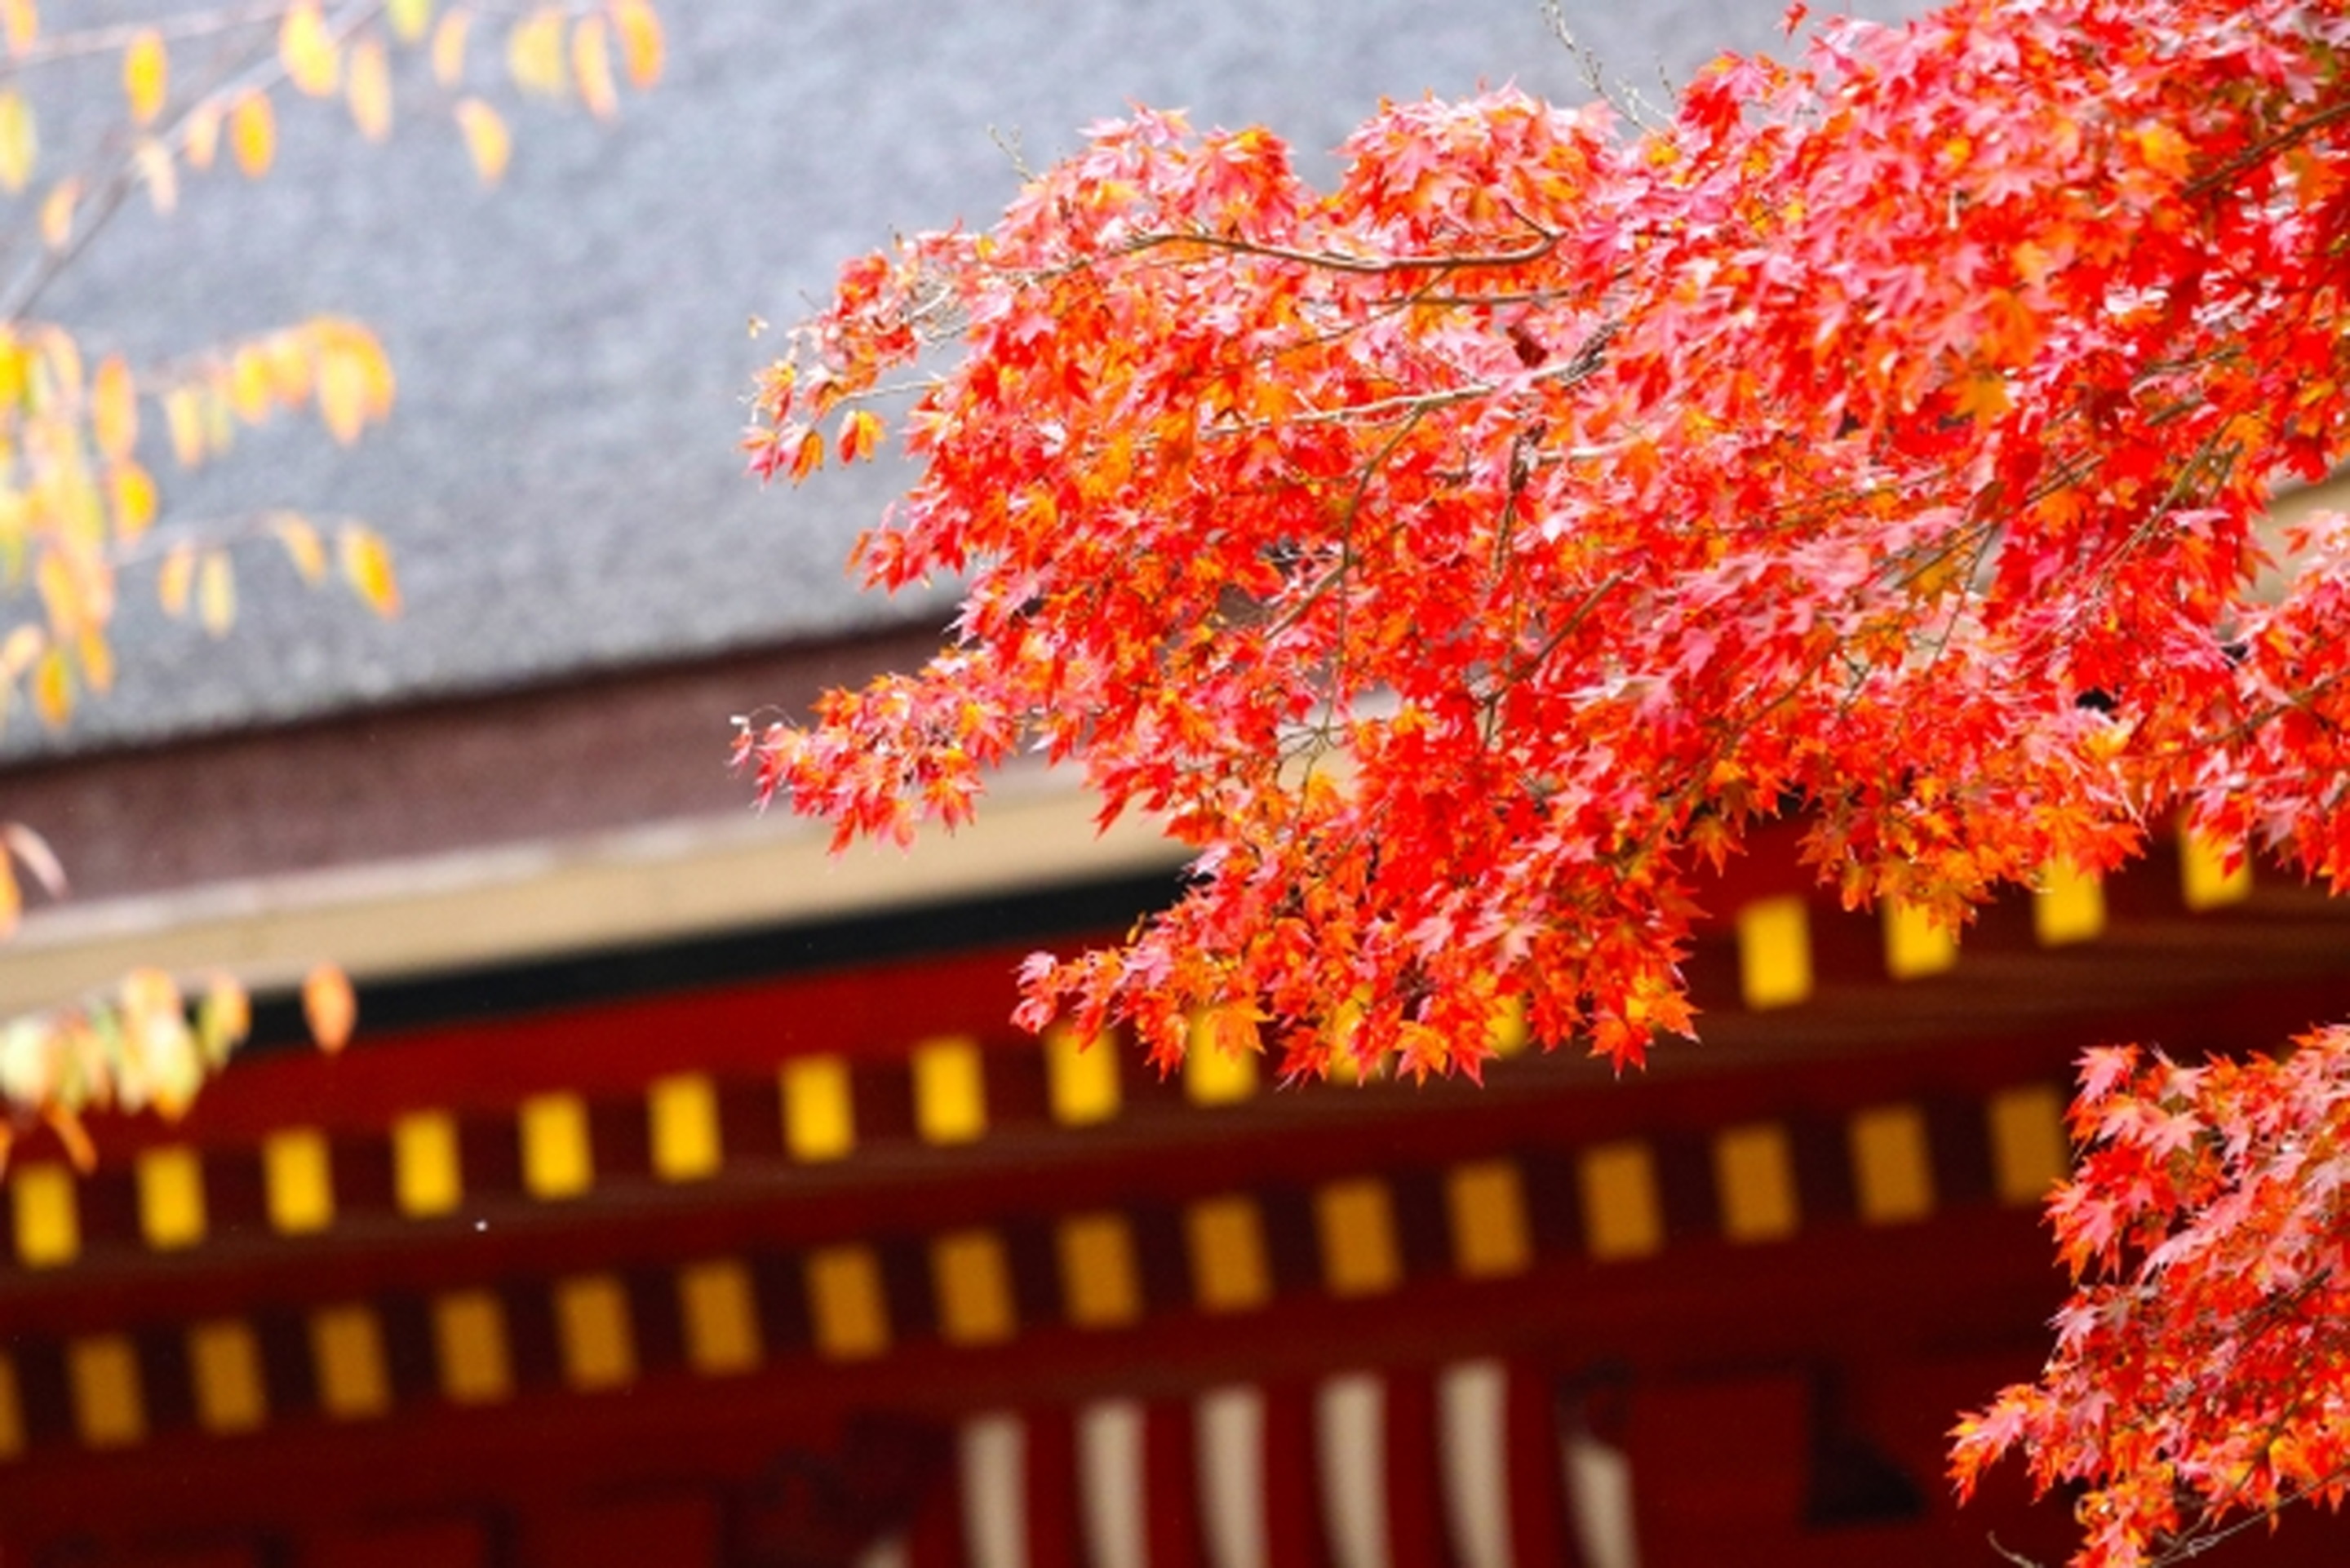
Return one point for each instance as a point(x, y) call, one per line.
point(12, 1411)
point(2028, 1151)
point(469, 1339)
point(1213, 1073)
point(47, 1212)
point(819, 1116)
point(1100, 1286)
point(1892, 1171)
point(225, 1367)
point(846, 1305)
point(1226, 1239)
point(102, 1373)
point(557, 1161)
point(719, 1307)
point(1775, 952)
point(1083, 1077)
point(682, 1110)
point(1486, 1203)
point(1508, 1035)
point(426, 1175)
point(347, 1357)
point(1754, 1182)
point(974, 1281)
point(297, 1174)
point(593, 1332)
point(949, 1091)
point(1916, 945)
point(1355, 1222)
point(170, 1196)
point(2069, 906)
point(1622, 1215)
point(2206, 879)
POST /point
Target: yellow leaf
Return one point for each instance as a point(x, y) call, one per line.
point(302, 545)
point(287, 355)
point(534, 51)
point(409, 18)
point(132, 489)
point(369, 90)
point(114, 410)
point(146, 76)
point(329, 1007)
point(79, 1149)
point(223, 1017)
point(640, 41)
point(20, 145)
point(216, 594)
point(312, 59)
point(155, 167)
point(184, 413)
point(252, 134)
point(52, 688)
point(485, 139)
point(175, 580)
point(21, 19)
point(20, 648)
point(591, 68)
point(97, 660)
point(366, 567)
point(354, 379)
point(57, 212)
point(449, 48)
point(248, 384)
point(12, 899)
point(203, 135)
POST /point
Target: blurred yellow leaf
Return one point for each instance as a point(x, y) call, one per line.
point(21, 19)
point(57, 212)
point(183, 414)
point(18, 143)
point(248, 383)
point(161, 175)
point(19, 649)
point(73, 1136)
point(366, 568)
point(312, 59)
point(409, 18)
point(302, 544)
point(368, 88)
point(591, 66)
point(114, 410)
point(534, 51)
point(329, 1007)
point(640, 41)
point(485, 139)
point(203, 131)
point(252, 134)
point(354, 377)
point(449, 47)
point(216, 594)
point(175, 580)
point(52, 688)
point(146, 76)
point(31, 848)
point(71, 596)
point(97, 660)
point(287, 355)
point(223, 1017)
point(132, 490)
point(12, 899)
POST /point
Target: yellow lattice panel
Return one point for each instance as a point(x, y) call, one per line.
point(681, 1112)
point(298, 1180)
point(1915, 944)
point(719, 1307)
point(846, 1304)
point(2069, 906)
point(593, 1332)
point(819, 1113)
point(1214, 1074)
point(469, 1340)
point(1486, 1203)
point(1775, 952)
point(108, 1406)
point(1754, 1182)
point(557, 1159)
point(949, 1091)
point(1100, 1286)
point(427, 1176)
point(1622, 1214)
point(12, 1411)
point(1083, 1077)
point(171, 1182)
point(225, 1375)
point(2212, 875)
point(974, 1285)
point(1892, 1168)
point(347, 1357)
point(1230, 1272)
point(2028, 1151)
point(1355, 1222)
point(46, 1214)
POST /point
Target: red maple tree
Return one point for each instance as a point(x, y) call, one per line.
point(1463, 558)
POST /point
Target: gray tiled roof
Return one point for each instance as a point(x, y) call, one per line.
point(560, 480)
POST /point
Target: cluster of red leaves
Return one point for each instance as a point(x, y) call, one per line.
point(1461, 559)
point(2203, 1372)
